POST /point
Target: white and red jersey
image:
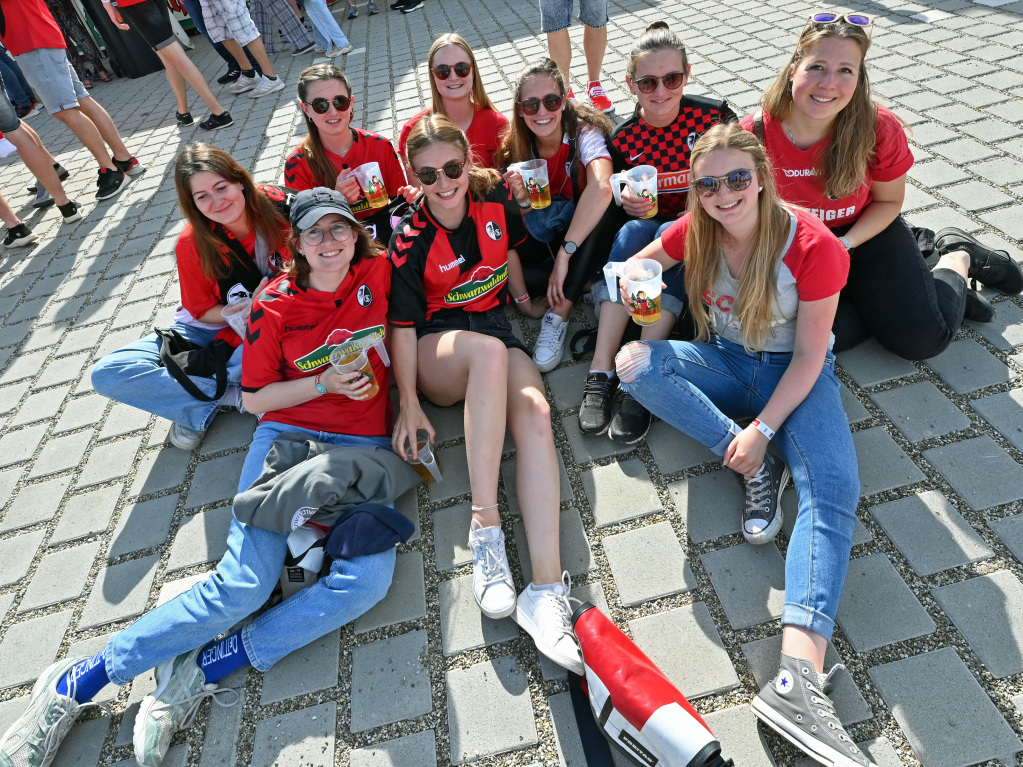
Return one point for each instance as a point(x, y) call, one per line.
point(590, 146)
point(814, 265)
point(796, 171)
point(485, 133)
point(287, 339)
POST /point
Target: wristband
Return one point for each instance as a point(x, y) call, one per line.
point(320, 388)
point(763, 428)
point(522, 299)
point(523, 205)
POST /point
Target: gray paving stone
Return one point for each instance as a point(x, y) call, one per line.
point(28, 648)
point(1010, 530)
point(160, 470)
point(1006, 220)
point(390, 681)
point(417, 750)
point(451, 536)
point(1006, 331)
point(61, 454)
point(462, 625)
point(750, 582)
point(86, 514)
point(454, 468)
point(945, 714)
point(930, 533)
point(18, 446)
point(304, 737)
point(123, 419)
point(309, 669)
point(710, 504)
point(215, 480)
point(110, 461)
point(408, 504)
point(83, 744)
point(79, 412)
point(920, 411)
point(120, 592)
point(220, 743)
point(620, 491)
point(60, 576)
point(1005, 412)
point(489, 710)
point(704, 668)
point(229, 430)
point(16, 555)
point(63, 370)
point(10, 710)
point(448, 422)
point(576, 556)
point(987, 610)
point(567, 384)
point(674, 451)
point(740, 737)
point(405, 600)
point(967, 366)
point(648, 563)
point(6, 600)
point(587, 448)
point(762, 658)
point(882, 464)
point(566, 731)
point(508, 473)
point(878, 750)
point(201, 538)
point(853, 407)
point(870, 363)
point(968, 467)
point(142, 526)
point(873, 592)
point(8, 481)
point(39, 406)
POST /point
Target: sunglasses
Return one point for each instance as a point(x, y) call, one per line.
point(855, 19)
point(672, 81)
point(339, 232)
point(443, 71)
point(737, 180)
point(551, 102)
point(321, 105)
point(429, 176)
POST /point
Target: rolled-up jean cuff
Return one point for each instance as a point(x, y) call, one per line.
point(806, 617)
point(669, 303)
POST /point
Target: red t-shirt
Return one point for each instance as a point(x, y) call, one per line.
point(795, 170)
point(485, 134)
point(287, 340)
point(367, 147)
point(464, 269)
point(29, 25)
point(814, 266)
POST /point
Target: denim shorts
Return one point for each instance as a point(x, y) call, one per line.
point(493, 322)
point(8, 117)
point(152, 22)
point(54, 81)
point(556, 15)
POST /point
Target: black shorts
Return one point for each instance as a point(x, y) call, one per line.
point(151, 19)
point(493, 322)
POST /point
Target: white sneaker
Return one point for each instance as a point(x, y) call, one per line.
point(550, 345)
point(243, 84)
point(546, 615)
point(266, 86)
point(340, 51)
point(491, 576)
point(185, 438)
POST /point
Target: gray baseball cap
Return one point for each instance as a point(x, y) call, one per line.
point(311, 205)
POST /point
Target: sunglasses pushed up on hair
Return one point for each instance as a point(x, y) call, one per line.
point(737, 181)
point(672, 81)
point(322, 105)
point(443, 71)
point(430, 176)
point(551, 102)
point(861, 20)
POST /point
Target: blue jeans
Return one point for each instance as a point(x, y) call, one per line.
point(632, 238)
point(700, 388)
point(133, 375)
point(547, 224)
point(326, 31)
point(14, 81)
point(244, 580)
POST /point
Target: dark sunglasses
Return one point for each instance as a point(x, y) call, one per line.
point(737, 180)
point(672, 81)
point(443, 71)
point(551, 102)
point(322, 105)
point(429, 175)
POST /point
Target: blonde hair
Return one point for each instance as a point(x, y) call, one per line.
point(478, 95)
point(705, 238)
point(844, 165)
point(437, 128)
point(315, 153)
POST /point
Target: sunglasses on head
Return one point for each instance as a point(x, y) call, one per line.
point(551, 102)
point(322, 105)
point(429, 176)
point(855, 19)
point(672, 81)
point(737, 180)
point(443, 71)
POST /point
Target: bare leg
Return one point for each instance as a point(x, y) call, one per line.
point(177, 84)
point(38, 160)
point(594, 45)
point(105, 125)
point(239, 55)
point(958, 261)
point(799, 642)
point(613, 321)
point(174, 57)
point(87, 133)
point(259, 52)
point(560, 48)
point(7, 214)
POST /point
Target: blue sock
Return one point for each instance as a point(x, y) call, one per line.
point(89, 675)
point(222, 656)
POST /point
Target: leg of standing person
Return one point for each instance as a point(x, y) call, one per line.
point(18, 233)
point(229, 21)
point(326, 25)
point(194, 10)
point(12, 86)
point(593, 14)
point(75, 33)
point(9, 61)
point(291, 26)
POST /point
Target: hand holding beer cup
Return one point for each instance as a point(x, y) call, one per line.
point(640, 288)
point(513, 179)
point(534, 176)
point(639, 198)
point(354, 368)
point(348, 185)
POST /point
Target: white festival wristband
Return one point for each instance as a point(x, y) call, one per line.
point(763, 428)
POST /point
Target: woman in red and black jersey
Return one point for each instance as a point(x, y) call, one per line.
point(234, 238)
point(451, 257)
point(333, 150)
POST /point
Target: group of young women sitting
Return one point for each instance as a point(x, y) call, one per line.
point(786, 229)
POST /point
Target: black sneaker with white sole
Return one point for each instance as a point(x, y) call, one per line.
point(397, 6)
point(598, 396)
point(231, 76)
point(761, 518)
point(130, 167)
point(630, 421)
point(412, 5)
point(216, 122)
point(19, 236)
point(71, 211)
point(62, 173)
point(111, 182)
point(994, 268)
point(184, 118)
point(299, 51)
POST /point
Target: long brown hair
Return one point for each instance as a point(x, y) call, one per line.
point(298, 268)
point(844, 164)
point(312, 146)
point(268, 222)
point(518, 144)
point(437, 128)
point(478, 95)
point(705, 239)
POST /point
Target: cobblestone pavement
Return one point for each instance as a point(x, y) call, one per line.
point(101, 519)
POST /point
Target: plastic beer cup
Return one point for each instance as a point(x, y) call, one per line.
point(642, 180)
point(237, 315)
point(371, 181)
point(642, 280)
point(426, 463)
point(538, 186)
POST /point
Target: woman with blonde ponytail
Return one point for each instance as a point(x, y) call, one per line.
point(768, 277)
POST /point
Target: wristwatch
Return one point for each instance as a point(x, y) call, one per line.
point(845, 241)
point(320, 388)
point(570, 247)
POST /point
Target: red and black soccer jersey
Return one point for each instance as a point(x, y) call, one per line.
point(465, 269)
point(667, 149)
point(367, 147)
point(292, 331)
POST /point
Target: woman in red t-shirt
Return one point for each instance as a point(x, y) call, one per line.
point(845, 158)
point(457, 92)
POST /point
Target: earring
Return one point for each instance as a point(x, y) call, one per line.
point(760, 189)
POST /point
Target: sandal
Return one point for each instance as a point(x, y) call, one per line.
point(104, 76)
point(87, 82)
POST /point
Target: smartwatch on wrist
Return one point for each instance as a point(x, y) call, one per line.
point(570, 247)
point(320, 388)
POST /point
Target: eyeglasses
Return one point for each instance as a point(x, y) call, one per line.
point(855, 19)
point(672, 81)
point(429, 175)
point(551, 102)
point(737, 180)
point(443, 71)
point(339, 232)
point(322, 105)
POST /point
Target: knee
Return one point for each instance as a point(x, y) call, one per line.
point(531, 411)
point(633, 359)
point(491, 355)
point(104, 374)
point(363, 581)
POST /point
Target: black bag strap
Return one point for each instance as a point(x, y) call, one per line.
point(168, 361)
point(758, 127)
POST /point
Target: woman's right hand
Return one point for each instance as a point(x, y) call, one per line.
point(349, 186)
point(352, 387)
point(410, 193)
point(635, 206)
point(518, 187)
point(410, 420)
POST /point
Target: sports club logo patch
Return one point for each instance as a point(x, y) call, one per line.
point(237, 293)
point(364, 296)
point(483, 280)
point(494, 231)
point(346, 340)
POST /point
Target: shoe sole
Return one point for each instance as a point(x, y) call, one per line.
point(594, 432)
point(188, 448)
point(72, 219)
point(822, 752)
point(307, 49)
point(22, 241)
point(217, 127)
point(411, 10)
point(770, 532)
point(530, 628)
point(138, 730)
point(115, 192)
point(243, 90)
point(265, 93)
point(547, 367)
point(500, 614)
point(135, 170)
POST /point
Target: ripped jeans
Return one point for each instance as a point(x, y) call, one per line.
point(701, 388)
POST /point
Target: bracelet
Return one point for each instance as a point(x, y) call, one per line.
point(523, 205)
point(483, 508)
point(763, 428)
point(524, 298)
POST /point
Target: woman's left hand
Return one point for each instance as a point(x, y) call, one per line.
point(410, 193)
point(534, 307)
point(518, 188)
point(556, 284)
point(349, 187)
point(746, 453)
point(356, 387)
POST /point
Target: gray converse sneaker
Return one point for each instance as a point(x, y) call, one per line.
point(491, 576)
point(797, 706)
point(761, 519)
